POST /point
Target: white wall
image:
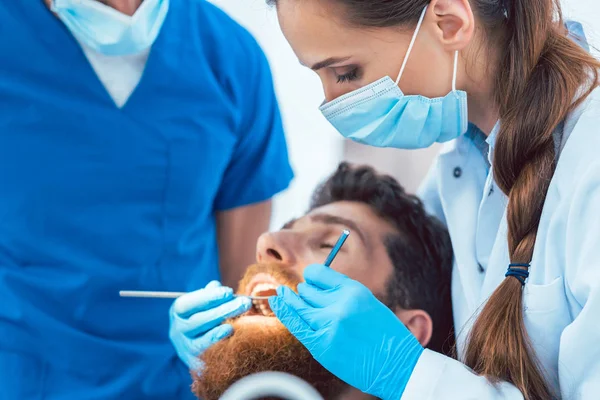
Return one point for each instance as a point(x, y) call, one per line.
point(315, 148)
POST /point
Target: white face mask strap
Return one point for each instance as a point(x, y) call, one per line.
point(410, 46)
point(454, 72)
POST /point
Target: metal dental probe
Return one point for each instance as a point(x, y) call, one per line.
point(337, 247)
point(167, 295)
point(174, 295)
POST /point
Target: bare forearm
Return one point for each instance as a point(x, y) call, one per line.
point(238, 231)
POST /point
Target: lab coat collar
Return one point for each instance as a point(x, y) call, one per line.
point(577, 34)
point(463, 144)
point(491, 141)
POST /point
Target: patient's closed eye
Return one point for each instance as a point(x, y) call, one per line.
point(326, 246)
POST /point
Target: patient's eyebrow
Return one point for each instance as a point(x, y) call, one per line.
point(289, 224)
point(337, 220)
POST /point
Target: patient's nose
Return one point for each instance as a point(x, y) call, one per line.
point(276, 247)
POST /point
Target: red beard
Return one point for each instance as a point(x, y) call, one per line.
point(261, 343)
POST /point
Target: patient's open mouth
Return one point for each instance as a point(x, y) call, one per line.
point(262, 285)
point(262, 280)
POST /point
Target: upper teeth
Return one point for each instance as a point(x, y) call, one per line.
point(262, 287)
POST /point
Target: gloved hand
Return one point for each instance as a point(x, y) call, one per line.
point(349, 332)
point(196, 319)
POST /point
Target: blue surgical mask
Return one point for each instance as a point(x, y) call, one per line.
point(381, 115)
point(109, 31)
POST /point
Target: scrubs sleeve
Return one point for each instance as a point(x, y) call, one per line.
point(259, 167)
point(429, 193)
point(579, 352)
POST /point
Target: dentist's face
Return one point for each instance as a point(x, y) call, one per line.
point(346, 57)
point(308, 240)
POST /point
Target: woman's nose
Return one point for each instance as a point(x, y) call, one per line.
point(332, 90)
point(331, 93)
point(276, 247)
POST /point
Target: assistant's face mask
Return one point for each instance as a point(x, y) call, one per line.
point(381, 115)
point(109, 31)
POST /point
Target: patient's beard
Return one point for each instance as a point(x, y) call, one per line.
point(261, 344)
point(254, 348)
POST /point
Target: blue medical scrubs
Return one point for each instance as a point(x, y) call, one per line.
point(96, 198)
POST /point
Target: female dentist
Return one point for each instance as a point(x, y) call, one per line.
point(518, 187)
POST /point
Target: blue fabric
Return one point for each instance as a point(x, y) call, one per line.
point(577, 34)
point(478, 138)
point(95, 198)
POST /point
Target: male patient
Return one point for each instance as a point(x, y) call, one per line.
point(395, 249)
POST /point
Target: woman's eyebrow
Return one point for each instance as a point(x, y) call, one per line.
point(328, 62)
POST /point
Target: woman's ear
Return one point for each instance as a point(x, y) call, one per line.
point(454, 23)
point(419, 323)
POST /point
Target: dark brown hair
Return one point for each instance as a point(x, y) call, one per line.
point(420, 250)
point(540, 77)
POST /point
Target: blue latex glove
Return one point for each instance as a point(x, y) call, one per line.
point(349, 332)
point(196, 319)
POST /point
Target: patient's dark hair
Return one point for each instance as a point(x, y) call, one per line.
point(420, 251)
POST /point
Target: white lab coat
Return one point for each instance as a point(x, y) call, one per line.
point(562, 294)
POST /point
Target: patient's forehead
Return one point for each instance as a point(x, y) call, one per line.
point(360, 214)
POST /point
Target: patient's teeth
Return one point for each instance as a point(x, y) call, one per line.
point(263, 309)
point(262, 287)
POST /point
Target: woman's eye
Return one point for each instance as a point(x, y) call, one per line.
point(326, 246)
point(348, 76)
